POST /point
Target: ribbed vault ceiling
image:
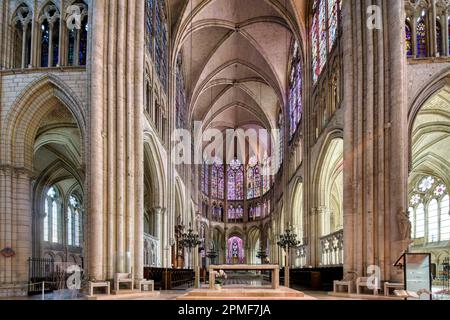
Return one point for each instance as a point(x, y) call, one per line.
point(235, 58)
point(431, 137)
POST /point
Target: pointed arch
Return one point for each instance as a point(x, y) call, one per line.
point(157, 169)
point(32, 105)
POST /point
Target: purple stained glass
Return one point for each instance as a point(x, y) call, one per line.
point(253, 179)
point(235, 175)
point(315, 48)
point(296, 91)
point(235, 254)
point(205, 178)
point(333, 11)
point(322, 35)
point(217, 182)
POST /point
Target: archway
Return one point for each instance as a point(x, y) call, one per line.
point(254, 239)
point(58, 195)
point(329, 200)
point(429, 180)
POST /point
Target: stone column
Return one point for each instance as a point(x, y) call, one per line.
point(375, 137)
point(50, 43)
point(15, 227)
point(313, 236)
point(434, 39)
point(414, 35)
point(444, 19)
point(24, 45)
point(115, 204)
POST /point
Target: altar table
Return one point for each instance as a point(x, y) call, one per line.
point(241, 267)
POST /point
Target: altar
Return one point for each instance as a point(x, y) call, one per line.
point(246, 267)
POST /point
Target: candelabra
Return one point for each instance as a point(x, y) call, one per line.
point(286, 241)
point(191, 240)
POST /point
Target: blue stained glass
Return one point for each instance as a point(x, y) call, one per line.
point(409, 48)
point(421, 38)
point(45, 42)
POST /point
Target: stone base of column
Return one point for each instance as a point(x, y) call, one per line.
point(13, 289)
point(197, 278)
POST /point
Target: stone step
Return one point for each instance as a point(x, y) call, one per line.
point(244, 294)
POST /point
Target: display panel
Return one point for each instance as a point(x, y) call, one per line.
point(418, 274)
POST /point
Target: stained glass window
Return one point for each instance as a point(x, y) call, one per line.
point(281, 138)
point(235, 254)
point(45, 42)
point(254, 212)
point(217, 213)
point(149, 5)
point(253, 179)
point(333, 10)
point(74, 227)
point(55, 44)
point(439, 38)
point(52, 216)
point(235, 214)
point(82, 59)
point(322, 35)
point(420, 221)
point(433, 221)
point(266, 175)
point(324, 32)
point(180, 102)
point(69, 227)
point(235, 175)
point(421, 38)
point(156, 38)
point(429, 212)
point(445, 219)
point(71, 48)
point(46, 220)
point(296, 91)
point(217, 181)
point(205, 178)
point(409, 48)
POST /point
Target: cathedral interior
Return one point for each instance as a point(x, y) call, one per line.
point(337, 114)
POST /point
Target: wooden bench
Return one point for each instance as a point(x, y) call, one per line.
point(149, 283)
point(363, 282)
point(126, 278)
point(93, 285)
point(390, 285)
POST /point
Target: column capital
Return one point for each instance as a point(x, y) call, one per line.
point(159, 210)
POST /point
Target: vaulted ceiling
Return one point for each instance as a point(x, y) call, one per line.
point(431, 138)
point(235, 57)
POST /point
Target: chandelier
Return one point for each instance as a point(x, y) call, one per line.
point(190, 239)
point(288, 240)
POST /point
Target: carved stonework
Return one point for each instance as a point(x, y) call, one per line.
point(404, 224)
point(8, 253)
